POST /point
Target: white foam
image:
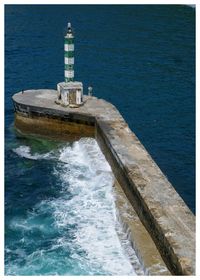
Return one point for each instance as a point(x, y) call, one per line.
point(25, 152)
point(88, 177)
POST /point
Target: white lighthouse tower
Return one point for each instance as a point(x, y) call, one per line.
point(70, 93)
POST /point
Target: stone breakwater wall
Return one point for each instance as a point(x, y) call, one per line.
point(164, 214)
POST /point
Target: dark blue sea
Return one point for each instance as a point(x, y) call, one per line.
point(60, 214)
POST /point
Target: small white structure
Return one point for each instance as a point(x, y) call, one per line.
point(70, 93)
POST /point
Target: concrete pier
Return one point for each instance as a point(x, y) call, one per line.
point(164, 214)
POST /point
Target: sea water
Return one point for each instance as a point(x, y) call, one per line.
point(63, 221)
point(59, 204)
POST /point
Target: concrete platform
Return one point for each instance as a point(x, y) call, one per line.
point(166, 217)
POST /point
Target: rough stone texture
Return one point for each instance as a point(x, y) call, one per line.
point(162, 211)
point(53, 128)
point(141, 241)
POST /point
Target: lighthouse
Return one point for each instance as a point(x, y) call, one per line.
point(69, 55)
point(69, 92)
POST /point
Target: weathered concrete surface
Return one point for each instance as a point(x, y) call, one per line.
point(162, 211)
point(142, 243)
point(53, 127)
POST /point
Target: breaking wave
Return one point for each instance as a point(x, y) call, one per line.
point(25, 152)
point(75, 232)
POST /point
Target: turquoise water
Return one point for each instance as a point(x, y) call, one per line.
point(63, 221)
point(60, 215)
